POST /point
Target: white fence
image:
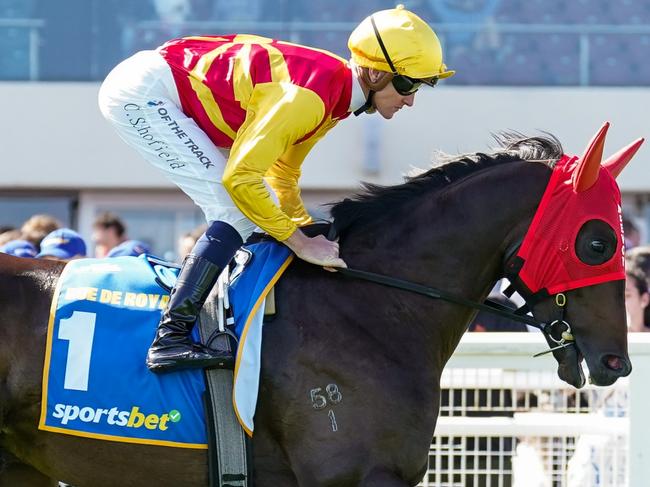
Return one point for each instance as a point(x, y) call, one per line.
point(507, 420)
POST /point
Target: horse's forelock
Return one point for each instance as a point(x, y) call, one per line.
point(376, 200)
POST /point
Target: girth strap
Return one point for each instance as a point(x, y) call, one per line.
point(229, 451)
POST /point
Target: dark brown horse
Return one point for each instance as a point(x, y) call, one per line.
point(372, 354)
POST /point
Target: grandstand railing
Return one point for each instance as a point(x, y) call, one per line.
point(33, 27)
point(295, 30)
point(504, 412)
point(158, 31)
point(583, 31)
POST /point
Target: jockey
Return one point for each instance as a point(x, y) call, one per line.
point(230, 119)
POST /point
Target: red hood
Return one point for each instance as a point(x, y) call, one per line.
point(548, 251)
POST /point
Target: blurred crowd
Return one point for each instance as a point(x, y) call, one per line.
point(43, 236)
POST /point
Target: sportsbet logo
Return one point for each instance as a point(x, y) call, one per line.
point(115, 417)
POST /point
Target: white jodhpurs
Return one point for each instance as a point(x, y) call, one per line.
point(139, 98)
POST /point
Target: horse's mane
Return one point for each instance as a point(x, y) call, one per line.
point(376, 200)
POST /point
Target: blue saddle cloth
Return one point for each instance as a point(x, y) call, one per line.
point(103, 319)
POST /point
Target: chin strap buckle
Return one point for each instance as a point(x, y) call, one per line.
point(566, 336)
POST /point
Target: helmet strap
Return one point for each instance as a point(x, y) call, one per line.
point(366, 106)
point(373, 86)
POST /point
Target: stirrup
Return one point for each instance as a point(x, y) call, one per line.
point(198, 356)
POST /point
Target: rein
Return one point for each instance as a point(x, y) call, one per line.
point(431, 292)
point(566, 338)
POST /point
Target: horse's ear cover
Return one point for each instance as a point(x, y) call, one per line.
point(586, 174)
point(617, 162)
point(577, 191)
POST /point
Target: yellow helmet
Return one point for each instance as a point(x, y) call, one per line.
point(410, 44)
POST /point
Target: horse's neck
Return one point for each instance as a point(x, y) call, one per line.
point(471, 221)
point(455, 240)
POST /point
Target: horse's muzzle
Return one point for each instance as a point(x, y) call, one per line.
point(611, 367)
point(620, 366)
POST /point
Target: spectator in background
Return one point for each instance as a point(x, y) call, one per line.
point(632, 234)
point(37, 227)
point(7, 234)
point(108, 231)
point(637, 288)
point(639, 258)
point(63, 244)
point(188, 240)
point(19, 248)
point(132, 248)
point(637, 300)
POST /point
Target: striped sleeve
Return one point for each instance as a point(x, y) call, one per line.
point(277, 117)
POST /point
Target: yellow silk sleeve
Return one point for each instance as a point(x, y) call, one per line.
point(283, 178)
point(277, 116)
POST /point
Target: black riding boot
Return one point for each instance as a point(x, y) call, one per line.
point(173, 349)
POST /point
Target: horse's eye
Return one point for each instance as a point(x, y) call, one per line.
point(598, 246)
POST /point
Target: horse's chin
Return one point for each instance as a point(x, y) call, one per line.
point(570, 367)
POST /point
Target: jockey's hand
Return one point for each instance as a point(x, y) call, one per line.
point(317, 250)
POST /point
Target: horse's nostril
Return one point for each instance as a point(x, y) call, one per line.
point(614, 362)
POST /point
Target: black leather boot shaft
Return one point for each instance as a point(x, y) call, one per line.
point(173, 349)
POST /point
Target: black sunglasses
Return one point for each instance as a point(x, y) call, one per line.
point(404, 85)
